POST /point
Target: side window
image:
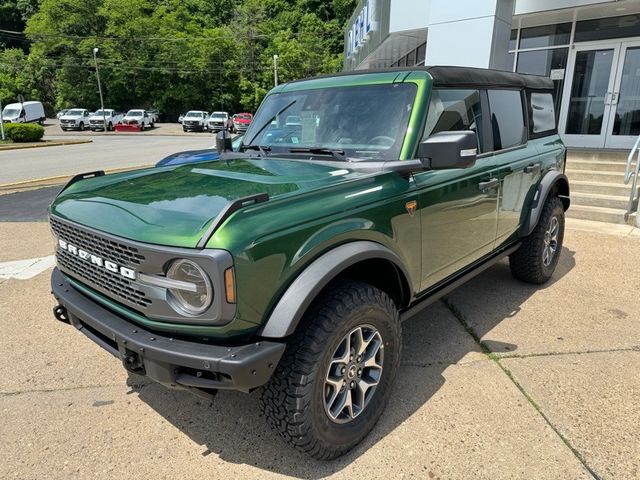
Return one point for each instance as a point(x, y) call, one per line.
point(541, 113)
point(507, 119)
point(454, 109)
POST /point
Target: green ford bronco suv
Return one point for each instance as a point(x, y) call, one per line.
point(288, 264)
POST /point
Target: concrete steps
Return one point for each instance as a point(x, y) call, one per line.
point(598, 192)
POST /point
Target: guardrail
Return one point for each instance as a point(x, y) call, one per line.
point(632, 173)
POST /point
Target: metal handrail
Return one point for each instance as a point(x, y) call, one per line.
point(629, 174)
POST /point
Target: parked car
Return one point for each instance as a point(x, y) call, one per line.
point(75, 119)
point(241, 122)
point(61, 113)
point(111, 117)
point(288, 266)
point(138, 116)
point(195, 121)
point(31, 111)
point(217, 121)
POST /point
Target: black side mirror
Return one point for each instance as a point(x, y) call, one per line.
point(223, 141)
point(445, 150)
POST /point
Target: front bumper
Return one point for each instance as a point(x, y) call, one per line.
point(172, 362)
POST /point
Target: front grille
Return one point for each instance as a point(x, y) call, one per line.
point(114, 251)
point(96, 122)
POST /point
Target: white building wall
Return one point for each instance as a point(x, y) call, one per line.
point(474, 34)
point(408, 15)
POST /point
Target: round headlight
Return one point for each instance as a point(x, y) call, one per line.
point(197, 294)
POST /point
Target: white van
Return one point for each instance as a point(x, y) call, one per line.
point(23, 112)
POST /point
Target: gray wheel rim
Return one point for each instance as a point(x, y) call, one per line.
point(353, 374)
point(550, 241)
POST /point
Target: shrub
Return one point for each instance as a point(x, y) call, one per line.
point(23, 132)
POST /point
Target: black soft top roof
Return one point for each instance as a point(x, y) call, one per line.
point(482, 77)
point(452, 76)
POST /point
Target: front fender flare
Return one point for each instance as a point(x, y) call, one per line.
point(292, 305)
point(552, 181)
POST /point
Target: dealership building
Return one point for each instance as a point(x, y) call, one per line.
point(589, 48)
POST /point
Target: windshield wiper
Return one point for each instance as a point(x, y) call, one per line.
point(267, 123)
point(262, 148)
point(337, 154)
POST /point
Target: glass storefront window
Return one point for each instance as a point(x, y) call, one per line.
point(411, 58)
point(421, 53)
point(513, 39)
point(545, 36)
point(606, 28)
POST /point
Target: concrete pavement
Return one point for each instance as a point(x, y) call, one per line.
point(106, 152)
point(501, 380)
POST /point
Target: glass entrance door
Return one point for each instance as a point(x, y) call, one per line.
point(586, 110)
point(624, 116)
point(601, 104)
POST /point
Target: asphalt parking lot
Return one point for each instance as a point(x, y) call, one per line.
point(499, 380)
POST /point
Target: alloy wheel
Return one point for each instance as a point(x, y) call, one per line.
point(550, 241)
point(353, 375)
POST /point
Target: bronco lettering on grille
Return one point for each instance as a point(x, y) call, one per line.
point(95, 260)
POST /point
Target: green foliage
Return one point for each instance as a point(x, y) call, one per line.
point(172, 55)
point(23, 132)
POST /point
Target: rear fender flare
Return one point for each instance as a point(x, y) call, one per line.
point(292, 305)
point(553, 181)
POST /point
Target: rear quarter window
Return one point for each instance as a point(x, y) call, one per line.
point(542, 117)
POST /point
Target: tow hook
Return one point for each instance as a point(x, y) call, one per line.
point(60, 313)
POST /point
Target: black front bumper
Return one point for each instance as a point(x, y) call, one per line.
point(172, 362)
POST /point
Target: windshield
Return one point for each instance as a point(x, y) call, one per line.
point(134, 113)
point(10, 112)
point(99, 112)
point(366, 121)
point(244, 117)
point(193, 114)
point(217, 116)
point(75, 112)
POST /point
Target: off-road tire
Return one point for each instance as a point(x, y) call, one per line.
point(527, 262)
point(293, 400)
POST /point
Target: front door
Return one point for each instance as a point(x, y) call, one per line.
point(601, 104)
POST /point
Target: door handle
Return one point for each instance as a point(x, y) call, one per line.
point(491, 183)
point(533, 168)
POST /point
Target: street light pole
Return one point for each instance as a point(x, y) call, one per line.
point(275, 69)
point(104, 116)
point(1, 122)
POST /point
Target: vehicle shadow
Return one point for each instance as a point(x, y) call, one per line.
point(232, 426)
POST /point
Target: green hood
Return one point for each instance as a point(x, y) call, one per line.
point(175, 205)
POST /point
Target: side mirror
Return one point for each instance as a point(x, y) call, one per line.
point(446, 150)
point(223, 141)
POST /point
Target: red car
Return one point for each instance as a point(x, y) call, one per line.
point(241, 122)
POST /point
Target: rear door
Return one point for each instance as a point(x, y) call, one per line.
point(517, 164)
point(458, 208)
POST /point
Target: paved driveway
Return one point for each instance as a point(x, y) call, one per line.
point(499, 380)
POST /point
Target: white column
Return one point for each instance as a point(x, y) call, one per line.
point(471, 33)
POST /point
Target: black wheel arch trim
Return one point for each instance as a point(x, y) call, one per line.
point(552, 181)
point(292, 305)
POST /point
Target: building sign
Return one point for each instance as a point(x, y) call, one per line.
point(362, 27)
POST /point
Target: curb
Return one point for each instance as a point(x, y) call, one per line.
point(42, 145)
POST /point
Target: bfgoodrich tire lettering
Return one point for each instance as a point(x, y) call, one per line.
point(294, 399)
point(536, 260)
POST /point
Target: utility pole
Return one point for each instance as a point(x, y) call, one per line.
point(1, 122)
point(104, 116)
point(275, 69)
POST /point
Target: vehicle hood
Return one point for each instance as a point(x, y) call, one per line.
point(217, 120)
point(71, 117)
point(175, 205)
point(242, 120)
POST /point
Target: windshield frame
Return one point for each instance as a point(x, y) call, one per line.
point(412, 97)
